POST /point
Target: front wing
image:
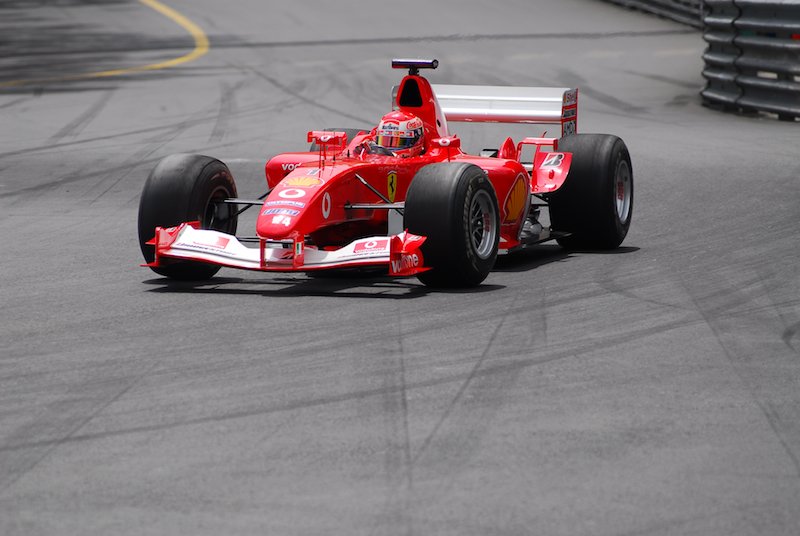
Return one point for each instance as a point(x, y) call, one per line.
point(400, 253)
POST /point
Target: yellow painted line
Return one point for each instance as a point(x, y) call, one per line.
point(201, 47)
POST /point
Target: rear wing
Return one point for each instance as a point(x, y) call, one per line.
point(507, 104)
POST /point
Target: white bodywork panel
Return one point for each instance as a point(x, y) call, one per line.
point(506, 104)
point(223, 249)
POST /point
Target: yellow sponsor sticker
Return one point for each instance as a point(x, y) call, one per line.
point(303, 182)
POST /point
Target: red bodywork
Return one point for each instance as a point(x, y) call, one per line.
point(317, 199)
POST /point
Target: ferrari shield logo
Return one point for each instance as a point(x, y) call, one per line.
point(391, 185)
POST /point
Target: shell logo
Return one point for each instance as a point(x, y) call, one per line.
point(303, 182)
point(515, 200)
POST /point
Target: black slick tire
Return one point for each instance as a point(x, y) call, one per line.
point(455, 206)
point(182, 188)
point(595, 204)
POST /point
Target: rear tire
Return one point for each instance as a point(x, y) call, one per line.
point(595, 204)
point(455, 206)
point(182, 188)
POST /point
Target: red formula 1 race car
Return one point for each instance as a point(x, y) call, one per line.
point(402, 196)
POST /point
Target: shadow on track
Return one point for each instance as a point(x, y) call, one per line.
point(531, 258)
point(540, 255)
point(337, 286)
point(355, 284)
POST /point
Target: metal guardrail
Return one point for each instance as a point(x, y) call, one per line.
point(685, 11)
point(752, 62)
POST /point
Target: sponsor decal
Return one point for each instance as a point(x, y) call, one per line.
point(553, 160)
point(391, 185)
point(219, 242)
point(303, 182)
point(395, 132)
point(570, 97)
point(292, 193)
point(298, 204)
point(284, 211)
point(405, 262)
point(516, 199)
point(326, 205)
point(569, 127)
point(282, 220)
point(369, 246)
point(290, 166)
point(298, 249)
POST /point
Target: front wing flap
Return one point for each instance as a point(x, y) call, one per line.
point(400, 253)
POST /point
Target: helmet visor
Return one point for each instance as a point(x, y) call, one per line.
point(397, 139)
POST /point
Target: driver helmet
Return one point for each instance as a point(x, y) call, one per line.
point(401, 133)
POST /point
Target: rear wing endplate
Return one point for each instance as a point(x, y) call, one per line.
point(506, 104)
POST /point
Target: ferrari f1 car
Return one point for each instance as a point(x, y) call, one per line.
point(403, 196)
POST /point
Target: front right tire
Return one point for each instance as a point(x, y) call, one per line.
point(183, 188)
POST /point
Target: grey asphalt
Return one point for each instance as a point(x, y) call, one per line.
point(652, 390)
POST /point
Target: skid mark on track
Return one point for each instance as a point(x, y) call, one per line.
point(201, 46)
point(405, 40)
point(398, 466)
point(75, 126)
point(151, 146)
point(227, 110)
point(789, 334)
point(211, 116)
point(73, 177)
point(464, 385)
point(164, 134)
point(28, 459)
point(573, 79)
point(665, 79)
point(13, 102)
point(306, 100)
point(87, 141)
point(508, 366)
point(773, 417)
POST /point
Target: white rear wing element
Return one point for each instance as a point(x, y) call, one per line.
point(506, 104)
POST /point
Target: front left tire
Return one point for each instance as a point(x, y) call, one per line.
point(454, 206)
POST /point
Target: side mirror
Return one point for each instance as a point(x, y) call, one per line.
point(450, 142)
point(324, 137)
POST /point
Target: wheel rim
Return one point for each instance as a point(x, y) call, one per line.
point(623, 191)
point(482, 227)
point(218, 215)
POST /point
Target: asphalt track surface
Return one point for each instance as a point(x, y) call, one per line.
point(651, 390)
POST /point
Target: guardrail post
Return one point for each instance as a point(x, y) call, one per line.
point(768, 34)
point(720, 57)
